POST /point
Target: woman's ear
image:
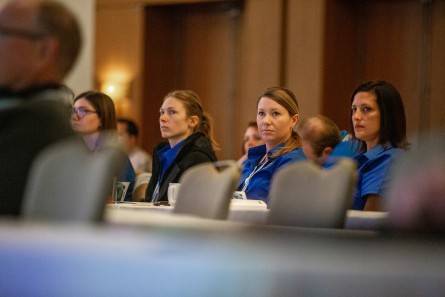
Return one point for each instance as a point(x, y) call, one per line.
point(295, 118)
point(193, 121)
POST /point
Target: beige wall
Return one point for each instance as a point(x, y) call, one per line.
point(81, 77)
point(119, 53)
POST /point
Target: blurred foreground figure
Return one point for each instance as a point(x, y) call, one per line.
point(416, 198)
point(39, 44)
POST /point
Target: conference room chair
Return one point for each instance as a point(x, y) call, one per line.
point(416, 197)
point(140, 186)
point(206, 189)
point(303, 194)
point(68, 182)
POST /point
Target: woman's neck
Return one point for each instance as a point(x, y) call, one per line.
point(176, 140)
point(92, 140)
point(271, 145)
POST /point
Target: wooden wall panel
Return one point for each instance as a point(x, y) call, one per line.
point(208, 57)
point(259, 60)
point(341, 61)
point(392, 49)
point(304, 53)
point(193, 47)
point(437, 84)
point(161, 62)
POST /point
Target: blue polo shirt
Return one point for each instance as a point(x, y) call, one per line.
point(374, 172)
point(259, 183)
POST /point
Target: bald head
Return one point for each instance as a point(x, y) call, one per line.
point(319, 136)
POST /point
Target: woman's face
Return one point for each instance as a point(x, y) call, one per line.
point(366, 118)
point(173, 120)
point(84, 118)
point(252, 138)
point(274, 122)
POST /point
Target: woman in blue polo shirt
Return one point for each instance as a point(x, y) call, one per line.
point(379, 122)
point(277, 115)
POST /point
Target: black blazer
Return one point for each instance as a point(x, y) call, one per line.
point(26, 129)
point(196, 150)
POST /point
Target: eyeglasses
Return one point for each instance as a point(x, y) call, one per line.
point(22, 33)
point(81, 111)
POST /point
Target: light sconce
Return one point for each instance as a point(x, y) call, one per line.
point(116, 90)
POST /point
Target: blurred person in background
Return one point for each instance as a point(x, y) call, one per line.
point(128, 133)
point(94, 118)
point(251, 138)
point(39, 44)
point(319, 136)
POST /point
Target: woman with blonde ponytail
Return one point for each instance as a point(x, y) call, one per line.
point(277, 115)
point(188, 130)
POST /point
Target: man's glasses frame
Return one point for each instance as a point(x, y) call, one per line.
point(22, 33)
point(81, 111)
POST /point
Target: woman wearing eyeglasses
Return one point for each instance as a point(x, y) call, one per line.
point(93, 115)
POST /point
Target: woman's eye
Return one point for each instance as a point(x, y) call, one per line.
point(261, 113)
point(275, 113)
point(171, 112)
point(366, 109)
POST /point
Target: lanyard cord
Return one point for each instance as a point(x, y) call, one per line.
point(257, 168)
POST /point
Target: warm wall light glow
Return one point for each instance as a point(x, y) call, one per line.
point(116, 90)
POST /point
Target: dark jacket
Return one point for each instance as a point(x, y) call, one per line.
point(196, 149)
point(27, 127)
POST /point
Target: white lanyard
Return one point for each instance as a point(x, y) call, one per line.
point(155, 193)
point(255, 170)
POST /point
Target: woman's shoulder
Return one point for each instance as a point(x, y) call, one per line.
point(199, 147)
point(295, 154)
point(291, 156)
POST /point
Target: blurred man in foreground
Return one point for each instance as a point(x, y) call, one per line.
point(39, 43)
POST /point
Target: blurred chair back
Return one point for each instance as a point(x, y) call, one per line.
point(416, 196)
point(140, 186)
point(305, 195)
point(206, 189)
point(67, 182)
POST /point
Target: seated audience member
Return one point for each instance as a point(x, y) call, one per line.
point(277, 115)
point(94, 118)
point(188, 130)
point(128, 133)
point(39, 44)
point(378, 119)
point(319, 136)
point(252, 138)
point(416, 196)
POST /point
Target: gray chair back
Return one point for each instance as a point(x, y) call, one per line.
point(305, 195)
point(67, 182)
point(206, 189)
